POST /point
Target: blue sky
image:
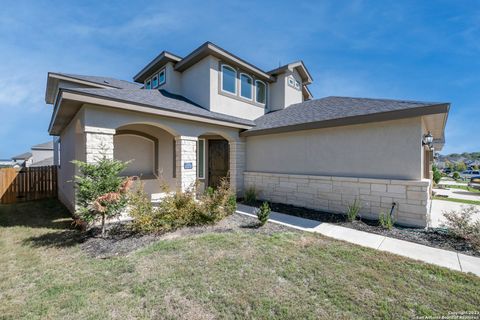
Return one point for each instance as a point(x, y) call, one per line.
point(422, 50)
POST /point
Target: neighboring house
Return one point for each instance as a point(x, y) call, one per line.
point(211, 114)
point(24, 159)
point(40, 155)
point(7, 163)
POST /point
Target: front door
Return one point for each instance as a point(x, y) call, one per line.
point(218, 161)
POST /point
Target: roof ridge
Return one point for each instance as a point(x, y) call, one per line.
point(384, 99)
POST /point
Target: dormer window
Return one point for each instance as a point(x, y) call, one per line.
point(229, 79)
point(260, 92)
point(246, 86)
point(148, 85)
point(155, 82)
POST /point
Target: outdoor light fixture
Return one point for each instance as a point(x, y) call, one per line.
point(427, 140)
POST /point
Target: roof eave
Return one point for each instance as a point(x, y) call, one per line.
point(375, 117)
point(82, 97)
point(160, 60)
point(209, 48)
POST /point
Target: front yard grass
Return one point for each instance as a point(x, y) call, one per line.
point(465, 201)
point(45, 274)
point(462, 187)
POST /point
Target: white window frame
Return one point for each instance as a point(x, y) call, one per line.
point(297, 84)
point(265, 86)
point(164, 77)
point(204, 157)
point(221, 79)
point(251, 86)
point(291, 81)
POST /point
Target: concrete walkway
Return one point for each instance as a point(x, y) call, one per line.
point(439, 257)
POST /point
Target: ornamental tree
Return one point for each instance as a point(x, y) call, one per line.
point(101, 191)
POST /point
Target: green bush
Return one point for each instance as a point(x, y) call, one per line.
point(101, 192)
point(437, 174)
point(460, 224)
point(456, 175)
point(250, 196)
point(263, 213)
point(353, 210)
point(181, 209)
point(385, 221)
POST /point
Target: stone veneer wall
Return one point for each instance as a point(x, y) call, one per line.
point(334, 194)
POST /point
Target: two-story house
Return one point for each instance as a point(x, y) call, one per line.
point(211, 114)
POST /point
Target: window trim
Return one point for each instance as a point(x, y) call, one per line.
point(148, 84)
point(198, 158)
point(251, 86)
point(256, 97)
point(221, 79)
point(160, 83)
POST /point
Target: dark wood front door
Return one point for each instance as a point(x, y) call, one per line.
point(218, 161)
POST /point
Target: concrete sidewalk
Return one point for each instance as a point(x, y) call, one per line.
point(439, 257)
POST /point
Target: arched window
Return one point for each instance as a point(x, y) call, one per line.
point(229, 79)
point(246, 86)
point(260, 92)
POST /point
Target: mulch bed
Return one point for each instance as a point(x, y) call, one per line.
point(432, 237)
point(120, 240)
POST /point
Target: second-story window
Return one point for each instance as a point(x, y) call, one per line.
point(155, 82)
point(161, 77)
point(229, 79)
point(148, 85)
point(246, 86)
point(260, 92)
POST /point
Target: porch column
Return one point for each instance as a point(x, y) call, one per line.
point(186, 162)
point(237, 165)
point(98, 143)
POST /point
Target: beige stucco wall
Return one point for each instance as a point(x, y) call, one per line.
point(281, 94)
point(138, 150)
point(173, 83)
point(72, 147)
point(390, 149)
point(195, 83)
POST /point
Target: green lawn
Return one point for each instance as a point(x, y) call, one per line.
point(462, 187)
point(45, 275)
point(475, 202)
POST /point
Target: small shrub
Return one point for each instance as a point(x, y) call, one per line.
point(460, 224)
point(353, 210)
point(250, 195)
point(180, 209)
point(456, 175)
point(263, 213)
point(386, 221)
point(437, 174)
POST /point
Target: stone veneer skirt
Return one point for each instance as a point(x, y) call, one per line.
point(334, 194)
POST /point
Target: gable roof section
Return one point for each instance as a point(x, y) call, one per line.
point(43, 146)
point(23, 156)
point(299, 66)
point(152, 101)
point(338, 111)
point(155, 64)
point(53, 79)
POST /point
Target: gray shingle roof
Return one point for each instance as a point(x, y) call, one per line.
point(44, 146)
point(333, 109)
point(42, 163)
point(107, 81)
point(160, 99)
point(23, 156)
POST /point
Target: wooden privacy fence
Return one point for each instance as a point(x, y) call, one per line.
point(27, 184)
